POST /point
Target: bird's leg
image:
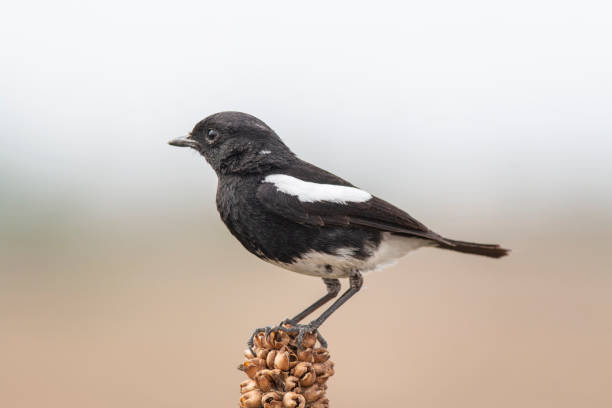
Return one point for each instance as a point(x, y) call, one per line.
point(356, 281)
point(333, 288)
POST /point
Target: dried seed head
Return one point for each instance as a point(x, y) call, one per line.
point(313, 393)
point(293, 400)
point(281, 361)
point(247, 385)
point(320, 355)
point(283, 374)
point(251, 399)
point(272, 400)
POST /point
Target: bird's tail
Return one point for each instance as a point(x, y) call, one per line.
point(490, 250)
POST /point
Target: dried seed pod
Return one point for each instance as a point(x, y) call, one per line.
point(290, 383)
point(272, 400)
point(262, 353)
point(320, 355)
point(324, 368)
point(305, 355)
point(293, 359)
point(264, 380)
point(305, 372)
point(277, 339)
point(324, 371)
point(260, 340)
point(321, 403)
point(308, 379)
point(251, 399)
point(250, 370)
point(251, 366)
point(270, 358)
point(247, 385)
point(329, 369)
point(293, 400)
point(313, 393)
point(281, 360)
point(321, 380)
point(268, 379)
point(301, 369)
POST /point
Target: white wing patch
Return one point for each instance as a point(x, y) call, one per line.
point(308, 192)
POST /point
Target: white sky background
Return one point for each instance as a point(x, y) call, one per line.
point(473, 105)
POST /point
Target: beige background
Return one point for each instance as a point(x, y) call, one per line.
point(159, 317)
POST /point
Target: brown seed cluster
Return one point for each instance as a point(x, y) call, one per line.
point(283, 375)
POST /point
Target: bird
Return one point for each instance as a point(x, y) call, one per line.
point(302, 218)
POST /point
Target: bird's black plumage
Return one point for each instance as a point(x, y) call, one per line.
point(294, 214)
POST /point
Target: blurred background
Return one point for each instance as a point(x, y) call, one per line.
point(488, 121)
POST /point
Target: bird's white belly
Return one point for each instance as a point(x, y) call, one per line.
point(342, 262)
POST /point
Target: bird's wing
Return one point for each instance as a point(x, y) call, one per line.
point(335, 204)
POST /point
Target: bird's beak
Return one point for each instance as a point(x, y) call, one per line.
point(185, 141)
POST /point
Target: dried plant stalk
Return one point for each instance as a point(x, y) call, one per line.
point(284, 375)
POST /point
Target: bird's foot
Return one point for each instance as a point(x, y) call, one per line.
point(303, 335)
point(266, 330)
point(305, 329)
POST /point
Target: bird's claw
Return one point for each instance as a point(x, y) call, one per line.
point(250, 343)
point(290, 327)
point(303, 329)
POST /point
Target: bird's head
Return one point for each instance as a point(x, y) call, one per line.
point(236, 142)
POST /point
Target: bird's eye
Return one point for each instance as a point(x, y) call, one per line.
point(212, 135)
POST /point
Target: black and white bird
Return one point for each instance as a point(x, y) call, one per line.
point(295, 215)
